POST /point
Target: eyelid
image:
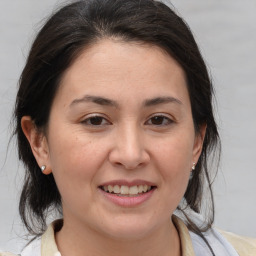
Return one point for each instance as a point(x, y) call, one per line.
point(92, 115)
point(164, 115)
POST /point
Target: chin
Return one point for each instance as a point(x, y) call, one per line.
point(129, 228)
point(128, 234)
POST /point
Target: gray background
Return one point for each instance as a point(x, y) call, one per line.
point(226, 33)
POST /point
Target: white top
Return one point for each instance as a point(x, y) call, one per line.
point(191, 244)
point(218, 243)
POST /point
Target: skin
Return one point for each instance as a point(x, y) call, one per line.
point(134, 137)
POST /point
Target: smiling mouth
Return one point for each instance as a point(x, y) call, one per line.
point(126, 190)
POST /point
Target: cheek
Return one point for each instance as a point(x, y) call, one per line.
point(176, 154)
point(75, 161)
point(174, 157)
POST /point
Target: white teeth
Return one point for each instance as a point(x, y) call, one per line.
point(141, 188)
point(125, 190)
point(145, 187)
point(133, 190)
point(110, 189)
point(116, 189)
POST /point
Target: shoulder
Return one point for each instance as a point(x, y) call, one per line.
point(221, 242)
point(33, 248)
point(245, 246)
point(43, 245)
point(8, 254)
point(225, 243)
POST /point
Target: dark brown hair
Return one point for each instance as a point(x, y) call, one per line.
point(70, 30)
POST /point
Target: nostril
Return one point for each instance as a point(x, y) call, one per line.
point(129, 157)
point(129, 166)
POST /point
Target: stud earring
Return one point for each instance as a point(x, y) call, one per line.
point(43, 167)
point(192, 173)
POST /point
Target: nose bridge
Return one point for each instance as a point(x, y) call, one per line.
point(132, 140)
point(129, 149)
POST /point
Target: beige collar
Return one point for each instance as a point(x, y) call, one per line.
point(48, 244)
point(185, 239)
point(49, 247)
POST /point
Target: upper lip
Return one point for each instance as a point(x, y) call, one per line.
point(131, 183)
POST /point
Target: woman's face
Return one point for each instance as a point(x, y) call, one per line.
point(121, 141)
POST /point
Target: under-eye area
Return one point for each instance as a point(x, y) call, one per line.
point(129, 191)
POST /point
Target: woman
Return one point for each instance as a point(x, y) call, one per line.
point(115, 126)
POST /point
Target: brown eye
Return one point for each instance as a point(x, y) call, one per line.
point(159, 120)
point(95, 121)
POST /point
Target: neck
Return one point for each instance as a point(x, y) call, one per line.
point(76, 240)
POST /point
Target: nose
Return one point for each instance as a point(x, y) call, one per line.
point(129, 149)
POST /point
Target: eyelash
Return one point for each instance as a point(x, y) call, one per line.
point(168, 121)
point(164, 120)
point(95, 117)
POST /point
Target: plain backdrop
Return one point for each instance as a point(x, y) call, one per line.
point(226, 33)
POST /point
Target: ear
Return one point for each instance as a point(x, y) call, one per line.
point(38, 143)
point(198, 143)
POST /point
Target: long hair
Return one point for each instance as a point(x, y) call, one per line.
point(64, 36)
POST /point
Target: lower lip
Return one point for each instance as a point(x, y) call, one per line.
point(126, 201)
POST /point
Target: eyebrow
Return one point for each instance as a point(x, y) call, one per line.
point(107, 102)
point(95, 99)
point(161, 100)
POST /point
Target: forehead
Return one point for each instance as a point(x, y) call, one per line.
point(110, 53)
point(113, 67)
